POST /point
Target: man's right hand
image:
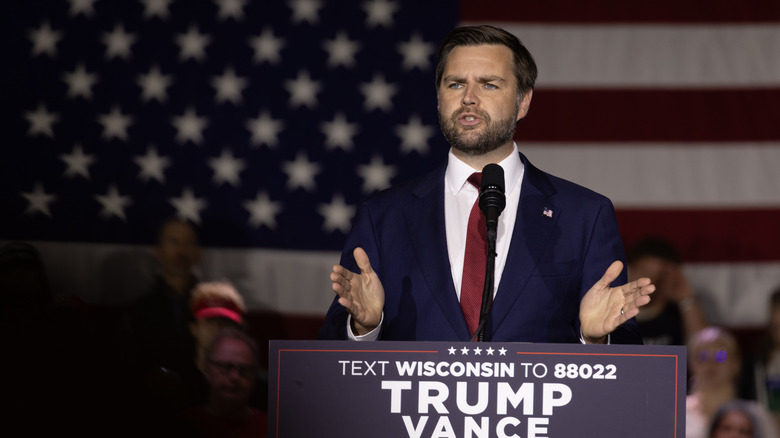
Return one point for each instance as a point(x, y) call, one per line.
point(361, 294)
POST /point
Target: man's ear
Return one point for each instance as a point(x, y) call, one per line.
point(525, 103)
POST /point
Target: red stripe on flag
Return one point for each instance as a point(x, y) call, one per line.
point(652, 115)
point(606, 11)
point(708, 236)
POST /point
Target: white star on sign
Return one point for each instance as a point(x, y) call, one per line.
point(490, 351)
point(86, 7)
point(156, 8)
point(226, 168)
point(303, 90)
point(380, 13)
point(188, 206)
point(265, 129)
point(115, 124)
point(229, 86)
point(339, 132)
point(301, 172)
point(192, 44)
point(113, 203)
point(378, 94)
point(337, 214)
point(263, 210)
point(502, 351)
point(45, 40)
point(414, 135)
point(477, 351)
point(189, 127)
point(417, 53)
point(152, 165)
point(451, 350)
point(305, 10)
point(154, 85)
point(77, 162)
point(39, 200)
point(464, 351)
point(267, 47)
point(231, 9)
point(376, 176)
point(80, 82)
point(341, 50)
point(118, 43)
point(41, 121)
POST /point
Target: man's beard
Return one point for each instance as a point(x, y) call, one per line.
point(495, 134)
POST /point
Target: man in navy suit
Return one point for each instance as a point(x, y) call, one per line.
point(558, 246)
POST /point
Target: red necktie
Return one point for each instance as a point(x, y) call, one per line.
point(473, 282)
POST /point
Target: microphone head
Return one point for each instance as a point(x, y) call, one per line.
point(492, 177)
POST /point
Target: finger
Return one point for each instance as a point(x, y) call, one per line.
point(362, 260)
point(610, 274)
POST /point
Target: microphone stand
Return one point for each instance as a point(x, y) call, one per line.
point(487, 291)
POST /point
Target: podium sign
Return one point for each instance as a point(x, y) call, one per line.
point(480, 390)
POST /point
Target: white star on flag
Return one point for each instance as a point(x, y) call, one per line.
point(380, 13)
point(341, 50)
point(118, 43)
point(414, 135)
point(86, 7)
point(189, 127)
point(267, 47)
point(80, 82)
point(416, 52)
point(265, 129)
point(229, 86)
point(156, 8)
point(115, 124)
point(231, 9)
point(39, 200)
point(305, 11)
point(193, 44)
point(378, 94)
point(152, 165)
point(77, 163)
point(188, 206)
point(337, 214)
point(339, 132)
point(377, 175)
point(226, 168)
point(263, 210)
point(301, 172)
point(154, 85)
point(303, 90)
point(45, 40)
point(113, 203)
point(41, 121)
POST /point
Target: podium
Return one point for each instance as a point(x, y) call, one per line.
point(479, 390)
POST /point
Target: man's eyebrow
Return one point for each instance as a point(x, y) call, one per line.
point(481, 79)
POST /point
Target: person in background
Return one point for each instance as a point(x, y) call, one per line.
point(734, 420)
point(715, 363)
point(674, 313)
point(766, 361)
point(231, 365)
point(214, 305)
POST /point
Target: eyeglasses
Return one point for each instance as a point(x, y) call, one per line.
point(717, 356)
point(225, 368)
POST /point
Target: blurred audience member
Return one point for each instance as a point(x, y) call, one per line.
point(735, 419)
point(673, 313)
point(158, 322)
point(231, 365)
point(715, 362)
point(214, 305)
point(766, 367)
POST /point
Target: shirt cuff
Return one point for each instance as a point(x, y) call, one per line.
point(373, 335)
point(582, 338)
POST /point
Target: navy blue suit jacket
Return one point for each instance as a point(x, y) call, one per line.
point(551, 264)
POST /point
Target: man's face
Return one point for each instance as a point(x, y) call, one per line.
point(734, 424)
point(178, 249)
point(231, 371)
point(478, 105)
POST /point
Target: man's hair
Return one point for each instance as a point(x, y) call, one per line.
point(524, 68)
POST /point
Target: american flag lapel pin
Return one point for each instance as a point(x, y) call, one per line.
point(547, 212)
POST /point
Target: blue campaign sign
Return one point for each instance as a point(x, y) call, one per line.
point(479, 390)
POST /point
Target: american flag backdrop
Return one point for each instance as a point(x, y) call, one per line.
point(266, 122)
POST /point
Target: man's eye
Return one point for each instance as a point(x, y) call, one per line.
point(455, 86)
point(491, 87)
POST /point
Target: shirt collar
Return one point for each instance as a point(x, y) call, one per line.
point(458, 172)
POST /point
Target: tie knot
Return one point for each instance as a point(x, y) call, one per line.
point(476, 179)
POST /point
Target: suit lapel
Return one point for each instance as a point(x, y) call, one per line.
point(529, 239)
point(425, 223)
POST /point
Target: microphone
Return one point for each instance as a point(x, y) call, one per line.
point(491, 197)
